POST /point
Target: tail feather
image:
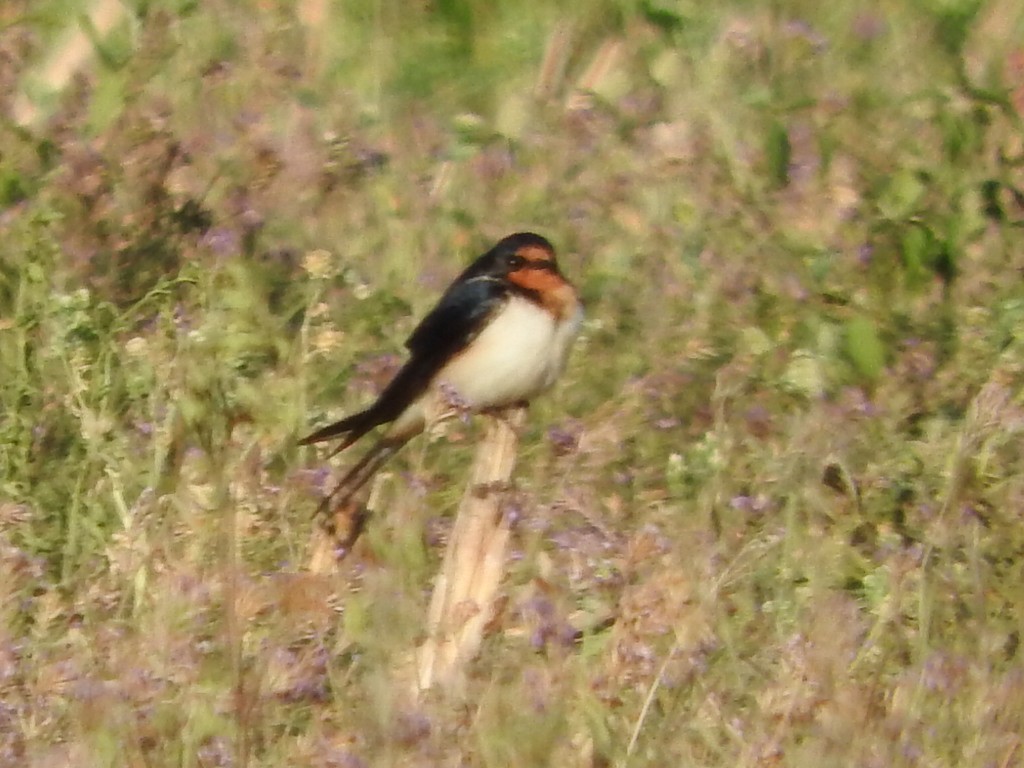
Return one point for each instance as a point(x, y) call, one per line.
point(353, 427)
point(359, 474)
point(408, 384)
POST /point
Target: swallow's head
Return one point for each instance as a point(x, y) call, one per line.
point(527, 261)
point(521, 251)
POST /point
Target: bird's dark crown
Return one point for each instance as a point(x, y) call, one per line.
point(524, 243)
point(512, 253)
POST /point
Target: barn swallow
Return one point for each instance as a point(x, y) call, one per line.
point(499, 336)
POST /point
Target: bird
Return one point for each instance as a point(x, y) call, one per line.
point(499, 336)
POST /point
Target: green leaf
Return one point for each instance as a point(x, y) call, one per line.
point(901, 195)
point(778, 153)
point(12, 187)
point(864, 348)
point(804, 375)
point(107, 101)
point(917, 245)
point(669, 69)
point(665, 16)
point(953, 20)
point(513, 116)
point(992, 206)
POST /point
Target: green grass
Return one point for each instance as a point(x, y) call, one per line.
point(778, 488)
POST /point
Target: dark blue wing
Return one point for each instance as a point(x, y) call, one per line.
point(462, 312)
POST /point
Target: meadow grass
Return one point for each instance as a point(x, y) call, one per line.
point(770, 515)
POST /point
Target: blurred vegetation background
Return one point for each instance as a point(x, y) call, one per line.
point(770, 516)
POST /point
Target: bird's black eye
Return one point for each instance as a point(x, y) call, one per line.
point(515, 261)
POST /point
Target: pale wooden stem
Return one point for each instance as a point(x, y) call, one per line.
point(467, 585)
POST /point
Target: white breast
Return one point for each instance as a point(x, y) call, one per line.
point(517, 356)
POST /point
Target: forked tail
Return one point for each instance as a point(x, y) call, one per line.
point(352, 427)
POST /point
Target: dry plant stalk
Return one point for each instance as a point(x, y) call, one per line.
point(556, 59)
point(466, 586)
point(323, 559)
point(604, 63)
point(70, 55)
